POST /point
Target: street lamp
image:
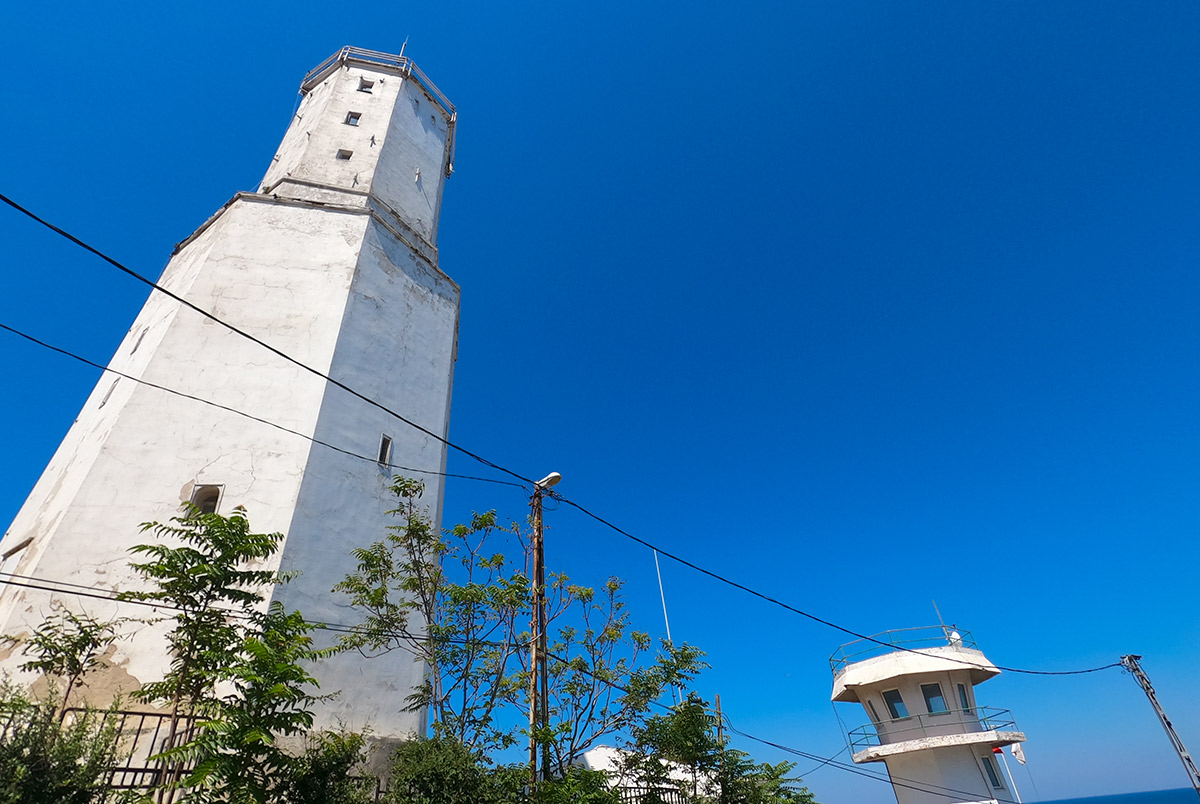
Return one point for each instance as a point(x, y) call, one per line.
point(539, 709)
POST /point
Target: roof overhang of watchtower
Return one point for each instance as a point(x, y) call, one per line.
point(387, 63)
point(879, 669)
point(991, 739)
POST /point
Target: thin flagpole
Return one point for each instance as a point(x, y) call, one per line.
point(666, 620)
point(1011, 780)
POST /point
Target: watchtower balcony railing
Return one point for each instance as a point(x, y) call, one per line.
point(930, 636)
point(939, 724)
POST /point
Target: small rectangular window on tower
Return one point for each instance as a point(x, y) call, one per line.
point(206, 498)
point(962, 699)
point(352, 118)
point(344, 155)
point(365, 85)
point(385, 451)
point(895, 704)
point(935, 702)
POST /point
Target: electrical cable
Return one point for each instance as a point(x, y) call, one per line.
point(528, 482)
point(243, 413)
point(278, 352)
point(803, 613)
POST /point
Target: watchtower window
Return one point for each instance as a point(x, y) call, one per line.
point(962, 699)
point(935, 702)
point(993, 773)
point(352, 118)
point(895, 704)
point(874, 714)
point(344, 155)
point(364, 85)
point(385, 451)
point(206, 498)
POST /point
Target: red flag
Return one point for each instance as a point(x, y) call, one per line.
point(997, 750)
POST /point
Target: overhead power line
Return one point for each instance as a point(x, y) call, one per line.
point(279, 352)
point(801, 612)
point(528, 482)
point(243, 413)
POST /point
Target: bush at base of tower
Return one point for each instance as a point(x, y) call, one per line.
point(46, 759)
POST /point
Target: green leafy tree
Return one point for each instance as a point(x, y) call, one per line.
point(441, 770)
point(447, 599)
point(68, 646)
point(325, 772)
point(684, 743)
point(456, 600)
point(203, 570)
point(599, 683)
point(234, 744)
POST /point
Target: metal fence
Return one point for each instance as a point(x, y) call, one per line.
point(939, 724)
point(140, 736)
point(651, 795)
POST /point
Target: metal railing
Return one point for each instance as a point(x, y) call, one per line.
point(651, 795)
point(930, 636)
point(938, 724)
point(403, 63)
point(140, 737)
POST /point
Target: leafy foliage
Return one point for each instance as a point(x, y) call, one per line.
point(452, 599)
point(221, 635)
point(464, 627)
point(48, 760)
point(441, 770)
point(684, 743)
point(205, 582)
point(68, 645)
point(324, 773)
point(234, 747)
point(597, 686)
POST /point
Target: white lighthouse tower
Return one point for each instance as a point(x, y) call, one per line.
point(334, 262)
point(918, 690)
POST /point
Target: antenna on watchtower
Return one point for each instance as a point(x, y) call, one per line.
point(403, 46)
point(949, 637)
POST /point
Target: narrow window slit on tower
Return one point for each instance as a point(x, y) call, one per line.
point(108, 393)
point(344, 155)
point(206, 498)
point(364, 85)
point(385, 451)
point(352, 118)
point(993, 773)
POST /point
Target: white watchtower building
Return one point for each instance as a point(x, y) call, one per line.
point(918, 689)
point(333, 260)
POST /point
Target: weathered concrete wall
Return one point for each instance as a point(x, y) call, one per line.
point(397, 347)
point(398, 149)
point(348, 286)
point(956, 768)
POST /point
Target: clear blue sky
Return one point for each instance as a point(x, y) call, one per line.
point(862, 304)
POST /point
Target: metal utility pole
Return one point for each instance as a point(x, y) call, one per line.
point(1131, 664)
point(539, 709)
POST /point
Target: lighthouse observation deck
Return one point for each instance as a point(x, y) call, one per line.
point(903, 639)
point(917, 686)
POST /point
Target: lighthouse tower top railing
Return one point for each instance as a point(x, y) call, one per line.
point(388, 62)
point(923, 637)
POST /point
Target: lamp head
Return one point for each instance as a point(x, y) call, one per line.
point(547, 481)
